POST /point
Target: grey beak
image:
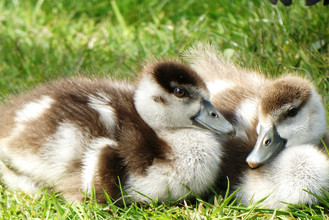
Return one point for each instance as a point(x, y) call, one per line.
point(211, 119)
point(268, 145)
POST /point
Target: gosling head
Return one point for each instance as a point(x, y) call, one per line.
point(170, 95)
point(291, 113)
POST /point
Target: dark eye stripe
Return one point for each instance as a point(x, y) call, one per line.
point(168, 72)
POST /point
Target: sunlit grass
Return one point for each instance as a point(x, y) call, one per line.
point(42, 39)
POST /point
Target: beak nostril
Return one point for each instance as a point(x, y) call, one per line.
point(267, 142)
point(213, 114)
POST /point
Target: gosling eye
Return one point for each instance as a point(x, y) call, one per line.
point(180, 92)
point(292, 111)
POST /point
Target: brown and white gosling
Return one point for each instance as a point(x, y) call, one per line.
point(288, 118)
point(156, 135)
point(291, 124)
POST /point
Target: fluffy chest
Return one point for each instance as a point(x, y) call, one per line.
point(194, 164)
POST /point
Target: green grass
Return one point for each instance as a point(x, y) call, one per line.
point(42, 40)
point(16, 205)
